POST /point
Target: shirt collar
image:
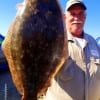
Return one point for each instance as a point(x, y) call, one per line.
point(72, 38)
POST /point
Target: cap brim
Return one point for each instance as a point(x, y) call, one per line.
point(77, 3)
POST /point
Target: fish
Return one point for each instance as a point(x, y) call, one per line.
point(35, 46)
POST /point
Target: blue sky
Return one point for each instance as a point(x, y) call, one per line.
point(92, 25)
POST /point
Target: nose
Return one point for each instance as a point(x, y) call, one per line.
point(77, 16)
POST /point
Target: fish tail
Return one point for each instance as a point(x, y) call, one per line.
point(29, 96)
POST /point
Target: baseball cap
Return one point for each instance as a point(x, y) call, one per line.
point(70, 3)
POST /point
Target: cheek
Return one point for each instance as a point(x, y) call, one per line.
point(69, 20)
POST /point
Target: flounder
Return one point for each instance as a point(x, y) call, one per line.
point(35, 46)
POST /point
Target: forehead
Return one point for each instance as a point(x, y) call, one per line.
point(76, 7)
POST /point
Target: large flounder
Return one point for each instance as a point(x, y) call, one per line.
point(35, 46)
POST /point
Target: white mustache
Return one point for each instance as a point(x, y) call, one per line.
point(77, 22)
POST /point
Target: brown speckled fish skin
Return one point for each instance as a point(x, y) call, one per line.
point(36, 47)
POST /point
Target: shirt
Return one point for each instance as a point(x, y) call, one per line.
point(79, 78)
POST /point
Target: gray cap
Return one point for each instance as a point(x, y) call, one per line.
point(73, 2)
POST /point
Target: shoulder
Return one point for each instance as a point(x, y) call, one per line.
point(90, 39)
point(92, 43)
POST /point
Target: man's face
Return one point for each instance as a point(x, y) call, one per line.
point(75, 18)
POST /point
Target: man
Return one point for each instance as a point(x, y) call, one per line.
point(79, 79)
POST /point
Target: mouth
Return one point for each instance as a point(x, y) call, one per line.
point(77, 22)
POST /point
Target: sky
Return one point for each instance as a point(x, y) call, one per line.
point(92, 25)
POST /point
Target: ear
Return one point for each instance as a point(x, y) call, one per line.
point(19, 6)
point(64, 16)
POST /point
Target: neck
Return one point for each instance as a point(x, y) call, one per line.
point(78, 35)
